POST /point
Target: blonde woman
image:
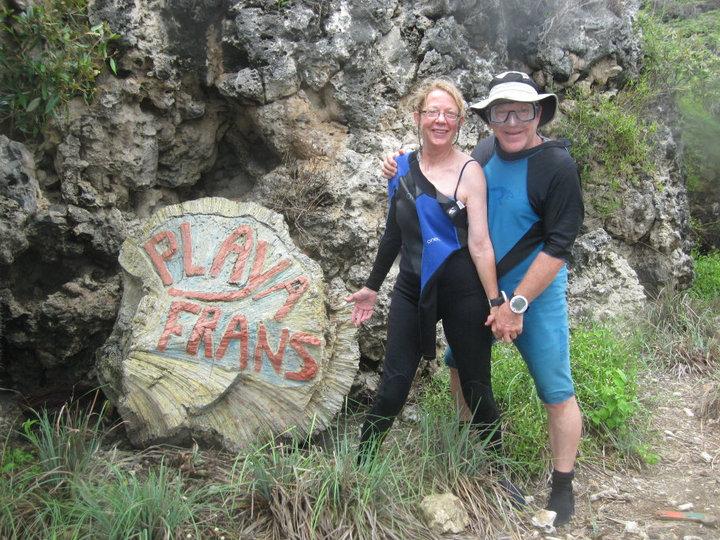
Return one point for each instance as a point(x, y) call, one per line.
point(437, 221)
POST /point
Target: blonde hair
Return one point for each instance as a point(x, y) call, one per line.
point(418, 101)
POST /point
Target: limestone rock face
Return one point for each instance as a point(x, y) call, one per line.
point(224, 332)
point(289, 105)
point(602, 283)
point(19, 193)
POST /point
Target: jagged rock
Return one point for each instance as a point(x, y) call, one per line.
point(602, 284)
point(17, 175)
point(595, 33)
point(224, 333)
point(444, 513)
point(19, 195)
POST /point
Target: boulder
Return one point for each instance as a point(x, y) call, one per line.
point(444, 513)
point(226, 333)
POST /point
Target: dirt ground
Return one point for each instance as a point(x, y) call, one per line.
point(623, 504)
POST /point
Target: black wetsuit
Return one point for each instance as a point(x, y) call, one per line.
point(437, 281)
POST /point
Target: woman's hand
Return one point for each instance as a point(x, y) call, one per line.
point(364, 301)
point(507, 326)
point(389, 167)
point(491, 316)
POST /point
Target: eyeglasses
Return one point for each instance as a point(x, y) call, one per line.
point(500, 114)
point(434, 113)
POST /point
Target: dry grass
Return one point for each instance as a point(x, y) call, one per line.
point(301, 193)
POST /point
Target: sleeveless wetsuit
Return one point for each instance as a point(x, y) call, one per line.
point(535, 204)
point(437, 281)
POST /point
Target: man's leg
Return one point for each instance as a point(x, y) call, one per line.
point(565, 428)
point(464, 412)
point(545, 347)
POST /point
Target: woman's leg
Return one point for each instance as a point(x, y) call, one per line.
point(464, 309)
point(402, 356)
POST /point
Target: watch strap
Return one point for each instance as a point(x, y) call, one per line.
point(499, 301)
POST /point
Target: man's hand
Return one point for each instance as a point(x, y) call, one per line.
point(506, 325)
point(389, 167)
point(364, 301)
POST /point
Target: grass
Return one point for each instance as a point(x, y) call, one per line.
point(605, 367)
point(288, 487)
point(706, 285)
point(62, 481)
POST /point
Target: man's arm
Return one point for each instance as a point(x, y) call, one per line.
point(508, 325)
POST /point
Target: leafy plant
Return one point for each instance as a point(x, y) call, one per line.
point(682, 71)
point(49, 54)
point(619, 403)
point(14, 458)
point(608, 142)
point(604, 366)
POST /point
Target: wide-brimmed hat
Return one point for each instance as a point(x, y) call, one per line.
point(517, 86)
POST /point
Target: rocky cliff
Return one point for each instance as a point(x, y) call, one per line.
point(291, 104)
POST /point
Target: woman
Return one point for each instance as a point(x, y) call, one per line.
point(437, 220)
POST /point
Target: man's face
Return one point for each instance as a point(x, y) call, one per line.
point(509, 121)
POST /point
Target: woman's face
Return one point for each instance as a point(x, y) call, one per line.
point(439, 120)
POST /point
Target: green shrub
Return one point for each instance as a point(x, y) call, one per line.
point(604, 367)
point(707, 277)
point(610, 144)
point(14, 458)
point(682, 69)
point(605, 135)
point(49, 54)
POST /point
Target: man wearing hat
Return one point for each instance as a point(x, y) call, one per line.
point(535, 211)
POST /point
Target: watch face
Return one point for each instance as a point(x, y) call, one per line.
point(518, 304)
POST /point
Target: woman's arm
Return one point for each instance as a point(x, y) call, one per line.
point(364, 299)
point(479, 244)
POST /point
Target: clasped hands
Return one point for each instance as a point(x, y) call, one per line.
point(505, 325)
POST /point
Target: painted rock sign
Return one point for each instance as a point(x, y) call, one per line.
point(223, 332)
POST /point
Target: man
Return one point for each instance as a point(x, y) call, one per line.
point(535, 211)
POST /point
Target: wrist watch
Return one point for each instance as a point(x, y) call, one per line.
point(518, 303)
point(499, 301)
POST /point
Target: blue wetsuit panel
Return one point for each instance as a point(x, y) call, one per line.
point(438, 236)
point(518, 185)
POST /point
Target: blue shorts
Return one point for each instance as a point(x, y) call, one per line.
point(544, 342)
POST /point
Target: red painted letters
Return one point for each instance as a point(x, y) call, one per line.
point(237, 329)
point(158, 259)
point(240, 243)
point(230, 246)
point(188, 266)
point(171, 325)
